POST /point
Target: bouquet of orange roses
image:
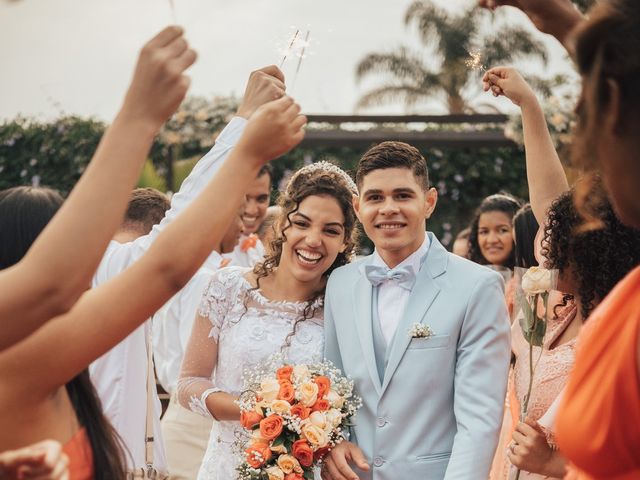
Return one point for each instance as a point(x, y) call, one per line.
point(294, 415)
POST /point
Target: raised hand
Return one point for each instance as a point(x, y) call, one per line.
point(337, 462)
point(273, 129)
point(508, 82)
point(159, 83)
point(44, 461)
point(264, 85)
point(555, 17)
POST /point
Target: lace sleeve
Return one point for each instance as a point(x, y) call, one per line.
point(195, 384)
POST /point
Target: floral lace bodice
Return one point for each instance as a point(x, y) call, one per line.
point(245, 328)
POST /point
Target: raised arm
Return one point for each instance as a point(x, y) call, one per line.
point(264, 85)
point(545, 175)
point(107, 314)
point(70, 247)
point(555, 17)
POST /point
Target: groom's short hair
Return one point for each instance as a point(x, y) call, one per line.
point(393, 155)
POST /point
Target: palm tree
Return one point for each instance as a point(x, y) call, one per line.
point(451, 39)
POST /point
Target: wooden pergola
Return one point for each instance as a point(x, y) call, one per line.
point(477, 135)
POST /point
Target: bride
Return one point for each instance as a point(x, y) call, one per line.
point(246, 316)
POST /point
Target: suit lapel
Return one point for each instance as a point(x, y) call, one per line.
point(422, 296)
point(362, 293)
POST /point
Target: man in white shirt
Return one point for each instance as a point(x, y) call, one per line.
point(120, 375)
point(250, 249)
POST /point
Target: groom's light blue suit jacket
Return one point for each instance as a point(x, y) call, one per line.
point(437, 412)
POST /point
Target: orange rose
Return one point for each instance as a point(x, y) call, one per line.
point(300, 411)
point(250, 419)
point(302, 451)
point(321, 452)
point(271, 427)
point(287, 392)
point(293, 476)
point(321, 405)
point(324, 384)
point(284, 373)
point(258, 454)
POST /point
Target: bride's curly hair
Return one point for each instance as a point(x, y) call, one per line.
point(307, 182)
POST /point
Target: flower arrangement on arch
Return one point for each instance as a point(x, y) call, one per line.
point(295, 415)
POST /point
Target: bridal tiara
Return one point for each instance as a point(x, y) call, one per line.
point(327, 167)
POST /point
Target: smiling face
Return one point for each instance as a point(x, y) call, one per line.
point(494, 237)
point(314, 238)
point(257, 202)
point(392, 208)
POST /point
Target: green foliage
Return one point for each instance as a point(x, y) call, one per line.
point(53, 154)
point(150, 178)
point(463, 177)
point(450, 39)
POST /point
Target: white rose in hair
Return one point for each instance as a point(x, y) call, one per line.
point(536, 280)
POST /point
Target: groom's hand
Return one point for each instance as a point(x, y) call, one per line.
point(264, 85)
point(336, 463)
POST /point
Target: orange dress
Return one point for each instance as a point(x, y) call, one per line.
point(598, 426)
point(78, 449)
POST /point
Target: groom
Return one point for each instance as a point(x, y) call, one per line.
point(423, 333)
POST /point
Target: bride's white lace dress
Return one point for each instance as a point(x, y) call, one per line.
point(245, 328)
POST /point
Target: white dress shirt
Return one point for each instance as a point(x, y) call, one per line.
point(172, 326)
point(392, 298)
point(119, 376)
point(246, 257)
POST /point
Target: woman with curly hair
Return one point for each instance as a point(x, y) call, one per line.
point(248, 315)
point(599, 419)
point(491, 237)
point(590, 263)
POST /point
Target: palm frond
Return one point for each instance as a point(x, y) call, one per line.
point(400, 64)
point(408, 94)
point(511, 43)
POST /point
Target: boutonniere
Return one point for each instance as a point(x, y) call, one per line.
point(418, 330)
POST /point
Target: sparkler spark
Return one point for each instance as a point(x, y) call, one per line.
point(172, 6)
point(289, 48)
point(474, 62)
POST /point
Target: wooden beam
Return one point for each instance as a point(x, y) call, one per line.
point(441, 119)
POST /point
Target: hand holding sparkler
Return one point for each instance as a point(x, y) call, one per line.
point(264, 85)
point(508, 82)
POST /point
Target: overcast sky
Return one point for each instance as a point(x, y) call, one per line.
point(77, 56)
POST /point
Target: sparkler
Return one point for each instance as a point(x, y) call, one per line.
point(172, 6)
point(474, 62)
point(288, 49)
point(303, 45)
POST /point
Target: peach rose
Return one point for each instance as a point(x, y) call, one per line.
point(334, 417)
point(269, 389)
point(302, 451)
point(318, 419)
point(308, 393)
point(271, 427)
point(286, 392)
point(258, 454)
point(321, 405)
point(279, 449)
point(300, 411)
point(315, 435)
point(324, 384)
point(335, 400)
point(284, 373)
point(280, 407)
point(249, 419)
point(288, 464)
point(301, 373)
point(274, 473)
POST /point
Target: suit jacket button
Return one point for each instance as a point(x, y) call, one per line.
point(381, 422)
point(378, 462)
